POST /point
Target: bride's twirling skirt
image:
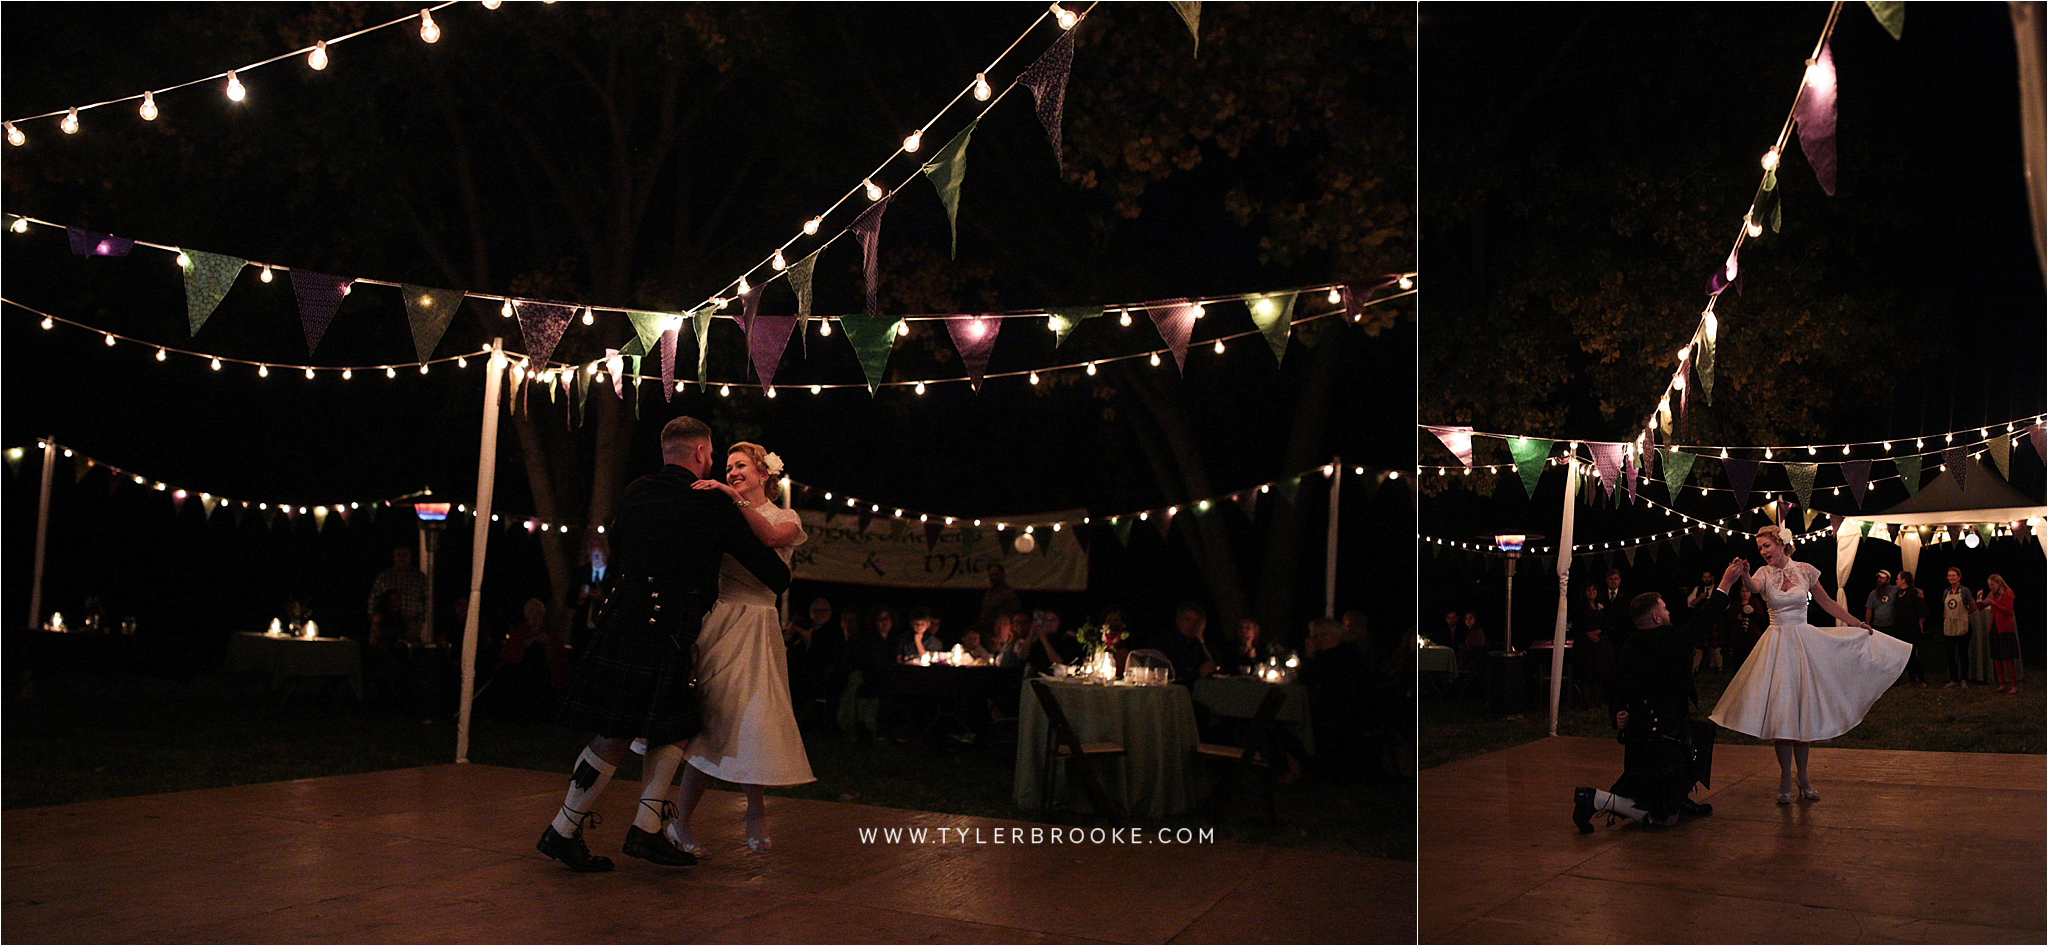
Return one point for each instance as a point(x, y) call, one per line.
point(750, 734)
point(1807, 683)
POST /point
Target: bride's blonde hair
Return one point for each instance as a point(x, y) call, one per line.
point(771, 481)
point(1778, 534)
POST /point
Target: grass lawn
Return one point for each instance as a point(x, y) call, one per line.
point(1930, 720)
point(77, 736)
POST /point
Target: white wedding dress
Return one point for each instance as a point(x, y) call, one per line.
point(1802, 682)
point(750, 735)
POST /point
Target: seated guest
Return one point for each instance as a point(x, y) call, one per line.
point(1472, 644)
point(1047, 645)
point(1247, 652)
point(1186, 649)
point(815, 647)
point(1338, 678)
point(1003, 643)
point(922, 639)
point(1447, 635)
point(970, 643)
point(533, 664)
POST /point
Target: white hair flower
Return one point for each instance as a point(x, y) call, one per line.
point(771, 464)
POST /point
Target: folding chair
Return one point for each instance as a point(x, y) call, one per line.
point(1255, 755)
point(1062, 744)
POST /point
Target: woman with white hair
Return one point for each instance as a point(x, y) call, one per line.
point(1803, 684)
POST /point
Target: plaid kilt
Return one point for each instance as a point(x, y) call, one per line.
point(638, 677)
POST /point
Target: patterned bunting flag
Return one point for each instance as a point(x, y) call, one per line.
point(1957, 460)
point(668, 363)
point(1801, 475)
point(1741, 476)
point(429, 311)
point(1677, 466)
point(1857, 473)
point(1891, 14)
point(319, 296)
point(1909, 473)
point(1530, 454)
point(1815, 111)
point(948, 168)
point(1607, 460)
point(1458, 440)
point(1634, 476)
point(871, 336)
point(1047, 80)
point(88, 243)
point(541, 325)
point(1273, 313)
point(800, 277)
point(1175, 319)
point(701, 325)
point(974, 337)
point(1703, 364)
point(207, 282)
point(766, 343)
point(868, 227)
point(1191, 13)
point(2001, 453)
point(1066, 318)
point(615, 365)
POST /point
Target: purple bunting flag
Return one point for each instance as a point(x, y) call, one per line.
point(88, 243)
point(319, 297)
point(868, 227)
point(1165, 520)
point(1047, 80)
point(1175, 319)
point(1249, 499)
point(975, 337)
point(1607, 460)
point(1815, 113)
point(1458, 440)
point(765, 344)
point(1741, 477)
point(615, 364)
point(541, 325)
point(1956, 458)
point(750, 306)
point(1857, 473)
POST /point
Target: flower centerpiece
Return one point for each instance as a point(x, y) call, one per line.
point(1099, 640)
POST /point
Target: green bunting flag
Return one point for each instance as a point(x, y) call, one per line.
point(1122, 528)
point(1191, 12)
point(1677, 466)
point(1530, 454)
point(1891, 14)
point(1704, 365)
point(1066, 318)
point(1801, 475)
point(800, 283)
point(1909, 473)
point(633, 368)
point(429, 311)
point(1289, 486)
point(646, 331)
point(947, 169)
point(1273, 313)
point(2001, 453)
point(14, 462)
point(207, 282)
point(872, 336)
point(703, 329)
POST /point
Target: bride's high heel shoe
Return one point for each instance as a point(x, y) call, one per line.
point(691, 848)
point(758, 843)
point(1809, 793)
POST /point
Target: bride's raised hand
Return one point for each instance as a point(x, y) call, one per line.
point(731, 493)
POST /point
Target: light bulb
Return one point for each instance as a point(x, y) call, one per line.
point(48, 323)
point(981, 87)
point(20, 225)
point(506, 309)
point(824, 328)
point(1155, 359)
point(1124, 318)
point(1920, 443)
point(70, 122)
point(1845, 450)
point(588, 317)
point(1678, 383)
point(1732, 268)
point(725, 390)
point(1336, 296)
point(184, 261)
point(263, 371)
point(390, 372)
point(236, 92)
point(317, 59)
point(1407, 281)
point(816, 388)
point(423, 367)
point(1066, 18)
point(1034, 377)
point(1767, 453)
point(216, 364)
point(148, 109)
point(745, 287)
point(348, 374)
point(1200, 310)
point(1091, 369)
point(309, 374)
point(912, 141)
point(493, 4)
point(461, 361)
point(110, 340)
point(266, 277)
point(1951, 438)
point(14, 136)
point(777, 262)
point(430, 31)
point(811, 226)
point(1887, 446)
point(1771, 159)
point(1712, 324)
point(874, 189)
point(920, 387)
point(771, 392)
point(1750, 226)
point(902, 329)
point(1219, 346)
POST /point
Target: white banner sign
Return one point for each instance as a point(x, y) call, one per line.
point(893, 553)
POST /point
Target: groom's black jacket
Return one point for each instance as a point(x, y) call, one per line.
point(666, 545)
point(1653, 683)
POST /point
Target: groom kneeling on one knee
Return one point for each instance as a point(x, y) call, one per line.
point(1664, 752)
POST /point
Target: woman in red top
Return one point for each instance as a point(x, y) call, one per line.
point(2005, 638)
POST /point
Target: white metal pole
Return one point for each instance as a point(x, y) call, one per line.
point(1330, 556)
point(35, 595)
point(486, 476)
point(1564, 585)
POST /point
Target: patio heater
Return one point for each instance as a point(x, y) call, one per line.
point(433, 519)
point(1506, 664)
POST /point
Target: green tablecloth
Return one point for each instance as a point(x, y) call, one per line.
point(283, 658)
point(1436, 659)
point(1154, 724)
point(1239, 697)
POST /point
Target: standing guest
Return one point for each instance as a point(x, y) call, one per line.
point(1744, 624)
point(1879, 609)
point(1186, 649)
point(2005, 638)
point(1594, 649)
point(1909, 615)
point(1338, 679)
point(1246, 652)
point(1711, 643)
point(1000, 598)
point(1614, 620)
point(398, 601)
point(816, 648)
point(1956, 601)
point(1472, 644)
point(590, 597)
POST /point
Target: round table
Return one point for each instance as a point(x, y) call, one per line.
point(1154, 724)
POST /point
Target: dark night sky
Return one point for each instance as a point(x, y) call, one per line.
point(1931, 210)
point(864, 72)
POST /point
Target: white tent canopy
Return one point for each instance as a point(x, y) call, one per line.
point(1983, 497)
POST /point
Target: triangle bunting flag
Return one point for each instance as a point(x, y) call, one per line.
point(948, 168)
point(1066, 318)
point(766, 343)
point(319, 296)
point(1909, 473)
point(868, 227)
point(1458, 440)
point(1801, 475)
point(1816, 116)
point(207, 282)
point(541, 325)
point(429, 311)
point(1530, 455)
point(1047, 80)
point(1857, 473)
point(1175, 319)
point(974, 338)
point(871, 335)
point(1273, 313)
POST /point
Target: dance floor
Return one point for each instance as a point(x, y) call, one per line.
point(445, 854)
point(1919, 847)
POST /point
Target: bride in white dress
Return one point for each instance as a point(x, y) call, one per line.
point(750, 734)
point(1801, 683)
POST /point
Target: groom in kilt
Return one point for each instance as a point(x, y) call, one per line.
point(1664, 751)
point(637, 677)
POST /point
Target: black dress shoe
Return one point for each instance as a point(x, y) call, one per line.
point(1694, 809)
point(572, 851)
point(655, 846)
point(1582, 809)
